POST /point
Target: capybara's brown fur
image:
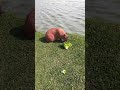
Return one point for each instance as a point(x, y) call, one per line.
point(54, 34)
point(29, 27)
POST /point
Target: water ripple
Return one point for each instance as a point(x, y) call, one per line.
point(67, 14)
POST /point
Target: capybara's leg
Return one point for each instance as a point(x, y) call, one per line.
point(50, 38)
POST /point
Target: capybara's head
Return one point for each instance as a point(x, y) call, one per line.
point(65, 37)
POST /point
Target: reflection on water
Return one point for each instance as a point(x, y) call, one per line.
point(67, 14)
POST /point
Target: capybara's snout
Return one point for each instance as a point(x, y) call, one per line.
point(65, 37)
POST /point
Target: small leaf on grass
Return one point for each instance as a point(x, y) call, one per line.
point(63, 71)
point(67, 45)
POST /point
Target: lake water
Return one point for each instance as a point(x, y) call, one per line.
point(67, 14)
point(108, 10)
point(20, 7)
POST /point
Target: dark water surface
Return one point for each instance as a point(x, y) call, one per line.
point(19, 7)
point(108, 10)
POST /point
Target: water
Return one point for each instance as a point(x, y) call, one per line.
point(67, 14)
point(20, 7)
point(109, 10)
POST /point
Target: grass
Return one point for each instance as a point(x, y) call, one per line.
point(102, 58)
point(52, 58)
point(102, 55)
point(17, 57)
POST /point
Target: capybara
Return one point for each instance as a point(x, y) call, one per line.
point(29, 27)
point(54, 34)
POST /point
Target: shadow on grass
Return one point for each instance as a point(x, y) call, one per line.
point(43, 40)
point(61, 46)
point(19, 33)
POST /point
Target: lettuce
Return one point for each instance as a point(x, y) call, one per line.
point(67, 45)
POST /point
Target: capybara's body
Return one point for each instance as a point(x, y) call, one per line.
point(54, 34)
point(29, 27)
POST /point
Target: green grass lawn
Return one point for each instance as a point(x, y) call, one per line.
point(100, 60)
point(52, 58)
point(102, 55)
point(17, 57)
point(17, 60)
